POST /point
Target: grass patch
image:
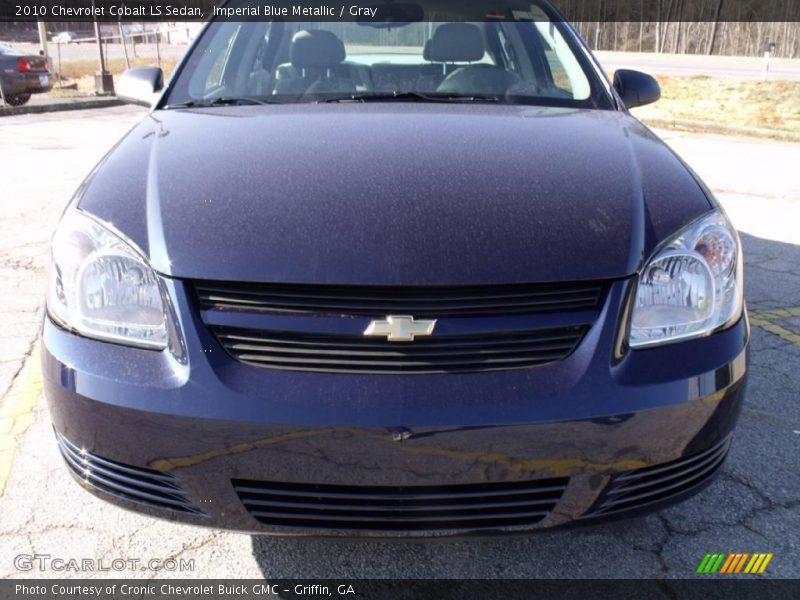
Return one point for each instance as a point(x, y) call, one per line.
point(82, 72)
point(742, 103)
point(77, 69)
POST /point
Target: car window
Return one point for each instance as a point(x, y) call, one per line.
point(208, 70)
point(564, 67)
point(525, 58)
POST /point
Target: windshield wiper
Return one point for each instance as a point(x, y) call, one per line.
point(414, 97)
point(221, 101)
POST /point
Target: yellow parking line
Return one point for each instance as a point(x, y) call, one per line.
point(765, 319)
point(779, 313)
point(16, 413)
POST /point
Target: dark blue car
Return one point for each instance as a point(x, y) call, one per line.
point(416, 274)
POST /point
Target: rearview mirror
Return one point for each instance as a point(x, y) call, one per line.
point(636, 88)
point(140, 85)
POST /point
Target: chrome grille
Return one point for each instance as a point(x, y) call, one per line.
point(136, 484)
point(437, 354)
point(475, 506)
point(429, 301)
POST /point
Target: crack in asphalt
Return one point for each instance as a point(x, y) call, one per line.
point(26, 262)
point(770, 503)
point(662, 544)
point(658, 544)
point(189, 548)
point(22, 361)
point(20, 529)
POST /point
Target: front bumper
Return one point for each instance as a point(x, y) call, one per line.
point(588, 438)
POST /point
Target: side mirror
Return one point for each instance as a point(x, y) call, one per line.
point(140, 85)
point(635, 88)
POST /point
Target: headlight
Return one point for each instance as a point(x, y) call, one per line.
point(102, 287)
point(691, 287)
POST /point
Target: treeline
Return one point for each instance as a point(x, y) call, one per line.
point(726, 27)
point(681, 37)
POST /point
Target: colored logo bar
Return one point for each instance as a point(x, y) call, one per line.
point(736, 562)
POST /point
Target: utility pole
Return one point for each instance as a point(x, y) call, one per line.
point(43, 39)
point(124, 45)
point(158, 47)
point(103, 81)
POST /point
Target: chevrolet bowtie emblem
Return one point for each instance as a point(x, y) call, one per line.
point(398, 328)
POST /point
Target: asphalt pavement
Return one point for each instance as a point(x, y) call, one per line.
point(753, 506)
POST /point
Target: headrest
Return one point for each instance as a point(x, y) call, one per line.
point(456, 42)
point(316, 48)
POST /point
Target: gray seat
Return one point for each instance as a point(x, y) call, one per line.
point(316, 67)
point(429, 80)
point(460, 43)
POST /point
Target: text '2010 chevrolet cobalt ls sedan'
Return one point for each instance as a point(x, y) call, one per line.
point(394, 277)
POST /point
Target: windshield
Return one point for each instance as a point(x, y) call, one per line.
point(522, 59)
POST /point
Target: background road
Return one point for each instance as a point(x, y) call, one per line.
point(753, 506)
point(734, 67)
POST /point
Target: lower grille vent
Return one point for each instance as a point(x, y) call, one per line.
point(380, 508)
point(143, 486)
point(641, 487)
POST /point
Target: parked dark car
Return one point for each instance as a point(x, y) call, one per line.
point(22, 75)
point(394, 277)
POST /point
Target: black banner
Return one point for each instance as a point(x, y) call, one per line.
point(787, 11)
point(722, 587)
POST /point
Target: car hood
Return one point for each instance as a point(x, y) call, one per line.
point(393, 193)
